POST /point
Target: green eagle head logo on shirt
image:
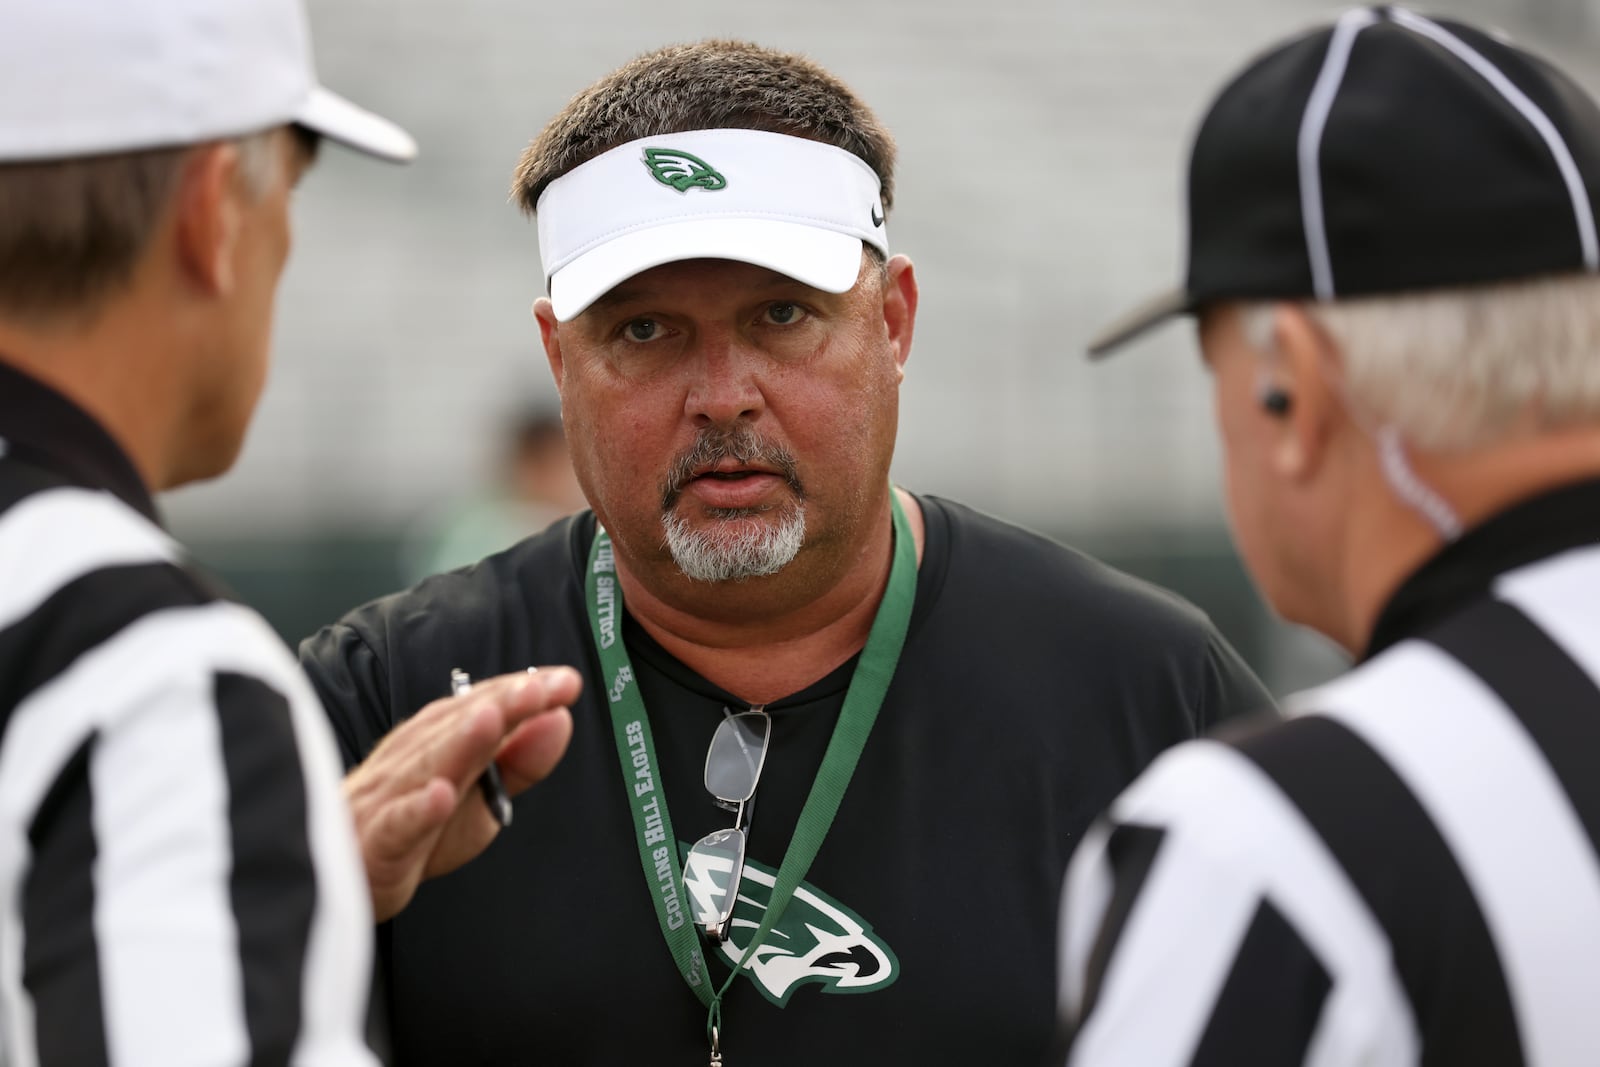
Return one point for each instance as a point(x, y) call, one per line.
point(682, 171)
point(818, 941)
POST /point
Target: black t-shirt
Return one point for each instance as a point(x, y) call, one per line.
point(1035, 683)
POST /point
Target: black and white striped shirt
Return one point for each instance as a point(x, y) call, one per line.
point(178, 875)
point(1407, 871)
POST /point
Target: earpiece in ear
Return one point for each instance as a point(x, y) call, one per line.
point(1275, 401)
point(1270, 395)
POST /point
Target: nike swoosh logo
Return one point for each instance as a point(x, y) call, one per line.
point(877, 219)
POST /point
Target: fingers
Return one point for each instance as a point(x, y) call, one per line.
point(527, 757)
point(397, 833)
point(456, 737)
point(527, 694)
point(534, 749)
point(414, 800)
point(447, 738)
point(493, 711)
point(394, 831)
point(540, 726)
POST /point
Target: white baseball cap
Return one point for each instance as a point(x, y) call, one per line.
point(790, 204)
point(90, 77)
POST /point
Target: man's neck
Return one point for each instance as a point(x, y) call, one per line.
point(762, 647)
point(102, 366)
point(1389, 548)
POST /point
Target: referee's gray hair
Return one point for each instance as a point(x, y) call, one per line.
point(72, 231)
point(1454, 369)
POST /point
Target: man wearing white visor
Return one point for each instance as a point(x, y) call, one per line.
point(179, 882)
point(835, 738)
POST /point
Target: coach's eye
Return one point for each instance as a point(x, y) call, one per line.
point(784, 314)
point(642, 330)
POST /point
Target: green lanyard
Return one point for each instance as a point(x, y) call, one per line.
point(641, 776)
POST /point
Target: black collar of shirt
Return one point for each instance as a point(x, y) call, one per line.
point(1464, 570)
point(43, 428)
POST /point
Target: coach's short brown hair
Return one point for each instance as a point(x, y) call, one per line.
point(708, 85)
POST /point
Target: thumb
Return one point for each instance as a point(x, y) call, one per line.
point(534, 748)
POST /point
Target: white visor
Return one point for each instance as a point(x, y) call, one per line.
point(796, 206)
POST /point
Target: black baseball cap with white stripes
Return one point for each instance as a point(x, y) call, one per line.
point(1386, 153)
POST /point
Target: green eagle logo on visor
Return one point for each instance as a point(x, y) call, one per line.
point(682, 171)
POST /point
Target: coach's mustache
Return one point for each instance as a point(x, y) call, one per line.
point(743, 446)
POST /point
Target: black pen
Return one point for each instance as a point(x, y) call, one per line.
point(489, 783)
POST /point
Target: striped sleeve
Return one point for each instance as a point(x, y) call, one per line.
point(1224, 936)
point(1407, 871)
point(179, 874)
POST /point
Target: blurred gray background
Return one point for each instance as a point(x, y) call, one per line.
point(1039, 188)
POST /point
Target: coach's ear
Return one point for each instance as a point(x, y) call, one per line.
point(1304, 354)
point(208, 217)
point(549, 336)
point(900, 307)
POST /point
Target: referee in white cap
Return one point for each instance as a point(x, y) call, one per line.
point(179, 881)
point(1392, 263)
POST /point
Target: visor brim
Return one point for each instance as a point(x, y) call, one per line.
point(823, 259)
